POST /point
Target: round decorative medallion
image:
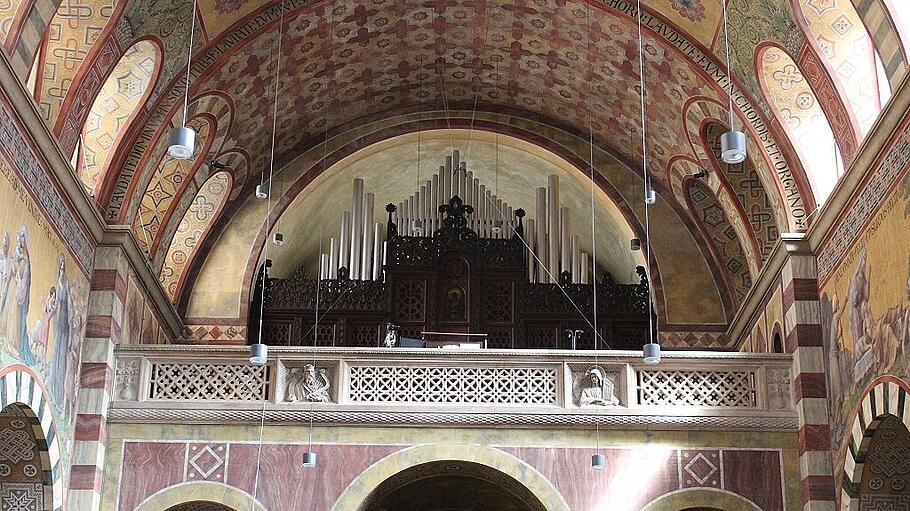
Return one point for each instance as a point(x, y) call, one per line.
point(4, 470)
point(17, 423)
point(898, 484)
point(30, 470)
point(875, 483)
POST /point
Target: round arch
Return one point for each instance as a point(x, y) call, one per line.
point(370, 479)
point(209, 492)
point(884, 397)
point(701, 498)
point(25, 390)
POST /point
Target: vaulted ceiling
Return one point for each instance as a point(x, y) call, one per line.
point(562, 74)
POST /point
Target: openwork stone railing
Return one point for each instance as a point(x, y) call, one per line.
point(725, 390)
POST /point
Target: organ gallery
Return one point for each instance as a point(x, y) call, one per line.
point(511, 255)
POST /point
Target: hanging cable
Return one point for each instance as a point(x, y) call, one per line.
point(647, 178)
point(723, 4)
point(265, 251)
point(189, 60)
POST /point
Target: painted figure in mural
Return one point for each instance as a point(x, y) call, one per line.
point(39, 333)
point(23, 272)
point(597, 389)
point(839, 360)
point(6, 275)
point(62, 333)
point(860, 318)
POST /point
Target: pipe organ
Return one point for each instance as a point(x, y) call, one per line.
point(453, 257)
point(553, 251)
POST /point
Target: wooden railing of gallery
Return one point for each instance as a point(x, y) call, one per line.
point(443, 386)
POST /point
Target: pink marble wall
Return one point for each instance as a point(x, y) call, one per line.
point(632, 478)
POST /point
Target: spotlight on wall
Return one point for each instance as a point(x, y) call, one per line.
point(497, 226)
point(181, 143)
point(309, 459)
point(259, 354)
point(417, 227)
point(598, 462)
point(651, 353)
point(262, 191)
point(733, 147)
point(217, 165)
point(700, 175)
point(651, 196)
point(635, 244)
point(278, 238)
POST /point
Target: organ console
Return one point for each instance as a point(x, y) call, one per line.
point(454, 257)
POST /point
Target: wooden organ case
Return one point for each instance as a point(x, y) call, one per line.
point(455, 281)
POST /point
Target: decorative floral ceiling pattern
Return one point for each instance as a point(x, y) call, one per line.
point(119, 98)
point(192, 227)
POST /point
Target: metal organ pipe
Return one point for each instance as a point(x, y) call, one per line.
point(531, 239)
point(564, 241)
point(333, 259)
point(366, 261)
point(541, 237)
point(344, 249)
point(553, 226)
point(377, 250)
point(356, 228)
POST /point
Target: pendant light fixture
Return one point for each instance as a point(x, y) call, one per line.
point(259, 351)
point(732, 143)
point(651, 350)
point(181, 142)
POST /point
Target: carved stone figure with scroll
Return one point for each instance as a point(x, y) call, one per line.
point(308, 384)
point(596, 389)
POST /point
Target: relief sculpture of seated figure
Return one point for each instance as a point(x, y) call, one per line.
point(596, 389)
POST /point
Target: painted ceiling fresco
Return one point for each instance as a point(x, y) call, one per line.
point(114, 106)
point(799, 111)
point(844, 40)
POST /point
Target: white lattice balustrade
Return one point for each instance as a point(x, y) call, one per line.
point(458, 385)
point(696, 388)
point(222, 382)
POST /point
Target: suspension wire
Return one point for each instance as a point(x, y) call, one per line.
point(486, 31)
point(647, 176)
point(723, 4)
point(189, 60)
point(593, 213)
point(265, 250)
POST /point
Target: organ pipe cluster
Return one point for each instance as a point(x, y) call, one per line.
point(361, 246)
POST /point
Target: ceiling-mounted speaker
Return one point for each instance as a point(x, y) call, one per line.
point(262, 191)
point(635, 244)
point(651, 196)
point(278, 238)
point(598, 462)
point(309, 459)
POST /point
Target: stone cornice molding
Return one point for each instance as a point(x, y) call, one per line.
point(302, 414)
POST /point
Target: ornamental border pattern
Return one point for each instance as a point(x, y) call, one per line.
point(865, 206)
point(553, 420)
point(34, 176)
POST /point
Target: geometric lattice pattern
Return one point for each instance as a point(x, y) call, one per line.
point(696, 388)
point(457, 385)
point(209, 382)
point(199, 216)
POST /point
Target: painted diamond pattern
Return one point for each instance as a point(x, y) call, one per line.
point(205, 461)
point(700, 469)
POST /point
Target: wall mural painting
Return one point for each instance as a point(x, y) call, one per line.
point(43, 298)
point(865, 312)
